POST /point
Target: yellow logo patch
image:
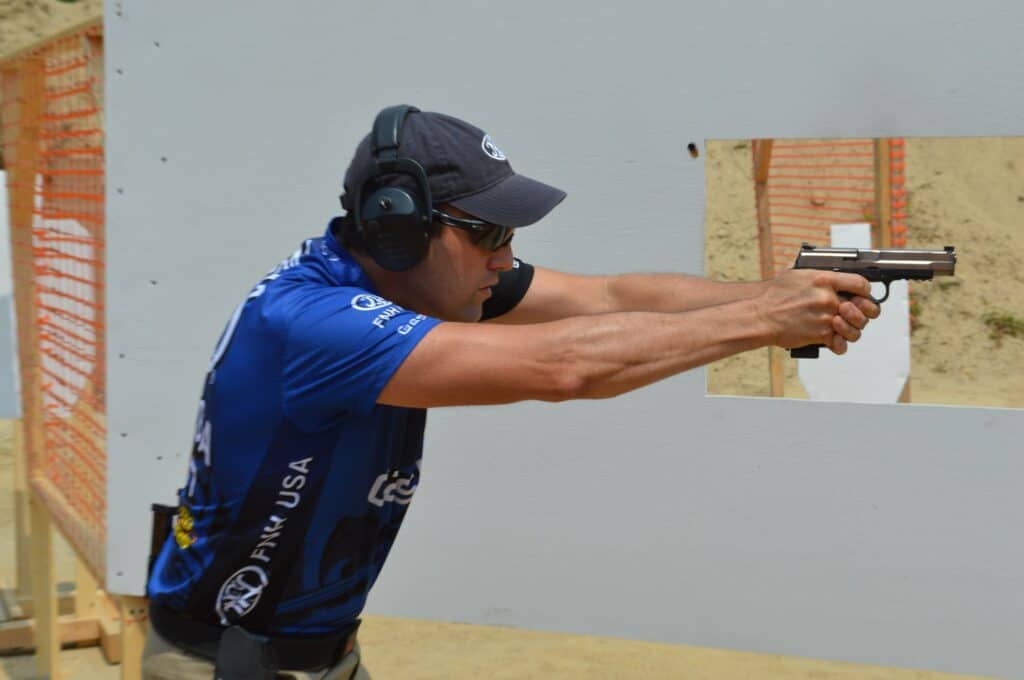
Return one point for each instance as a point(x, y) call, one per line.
point(183, 524)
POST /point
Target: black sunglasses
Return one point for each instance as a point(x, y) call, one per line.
point(487, 235)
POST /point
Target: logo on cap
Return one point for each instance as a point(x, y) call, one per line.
point(491, 150)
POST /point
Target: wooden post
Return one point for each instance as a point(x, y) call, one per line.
point(27, 79)
point(17, 600)
point(86, 591)
point(44, 590)
point(91, 624)
point(762, 162)
point(22, 542)
point(881, 229)
point(134, 626)
point(23, 80)
point(92, 45)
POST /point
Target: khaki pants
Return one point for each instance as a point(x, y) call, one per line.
point(163, 661)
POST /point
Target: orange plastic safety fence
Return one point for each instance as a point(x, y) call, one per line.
point(813, 184)
point(51, 106)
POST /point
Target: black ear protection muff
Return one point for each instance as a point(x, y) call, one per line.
point(393, 223)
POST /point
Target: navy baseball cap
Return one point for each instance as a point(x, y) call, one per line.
point(464, 167)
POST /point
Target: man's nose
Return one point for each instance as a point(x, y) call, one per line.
point(501, 259)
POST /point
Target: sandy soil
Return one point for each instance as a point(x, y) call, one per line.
point(967, 192)
point(25, 22)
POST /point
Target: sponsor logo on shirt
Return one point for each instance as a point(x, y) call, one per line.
point(406, 328)
point(183, 525)
point(365, 302)
point(382, 319)
point(241, 592)
point(394, 487)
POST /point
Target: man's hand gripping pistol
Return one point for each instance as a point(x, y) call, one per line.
point(885, 265)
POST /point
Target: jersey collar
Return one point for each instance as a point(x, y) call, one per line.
point(348, 271)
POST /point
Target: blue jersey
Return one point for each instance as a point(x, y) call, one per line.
point(298, 480)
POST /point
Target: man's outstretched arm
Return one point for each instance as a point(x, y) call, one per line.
point(557, 295)
point(603, 355)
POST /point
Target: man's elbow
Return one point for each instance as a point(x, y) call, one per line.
point(562, 382)
point(572, 381)
point(564, 369)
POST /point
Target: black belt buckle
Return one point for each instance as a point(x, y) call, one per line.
point(244, 656)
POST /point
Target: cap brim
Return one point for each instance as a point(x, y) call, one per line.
point(516, 201)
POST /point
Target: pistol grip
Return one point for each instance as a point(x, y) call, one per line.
point(805, 352)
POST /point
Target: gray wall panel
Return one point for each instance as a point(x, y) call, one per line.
point(10, 394)
point(854, 532)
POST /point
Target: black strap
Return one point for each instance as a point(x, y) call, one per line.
point(163, 521)
point(298, 654)
point(387, 130)
point(511, 288)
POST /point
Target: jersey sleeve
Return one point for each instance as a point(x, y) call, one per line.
point(340, 353)
point(512, 286)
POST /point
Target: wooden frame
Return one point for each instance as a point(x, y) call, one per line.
point(55, 616)
point(45, 616)
point(23, 572)
point(762, 163)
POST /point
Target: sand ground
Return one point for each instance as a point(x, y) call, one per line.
point(24, 23)
point(969, 195)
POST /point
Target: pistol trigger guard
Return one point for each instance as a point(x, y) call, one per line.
point(884, 297)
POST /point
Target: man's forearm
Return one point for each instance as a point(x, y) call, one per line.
point(673, 292)
point(615, 353)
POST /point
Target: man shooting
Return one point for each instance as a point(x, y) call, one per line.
point(310, 428)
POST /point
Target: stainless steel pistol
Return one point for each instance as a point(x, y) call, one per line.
point(885, 265)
